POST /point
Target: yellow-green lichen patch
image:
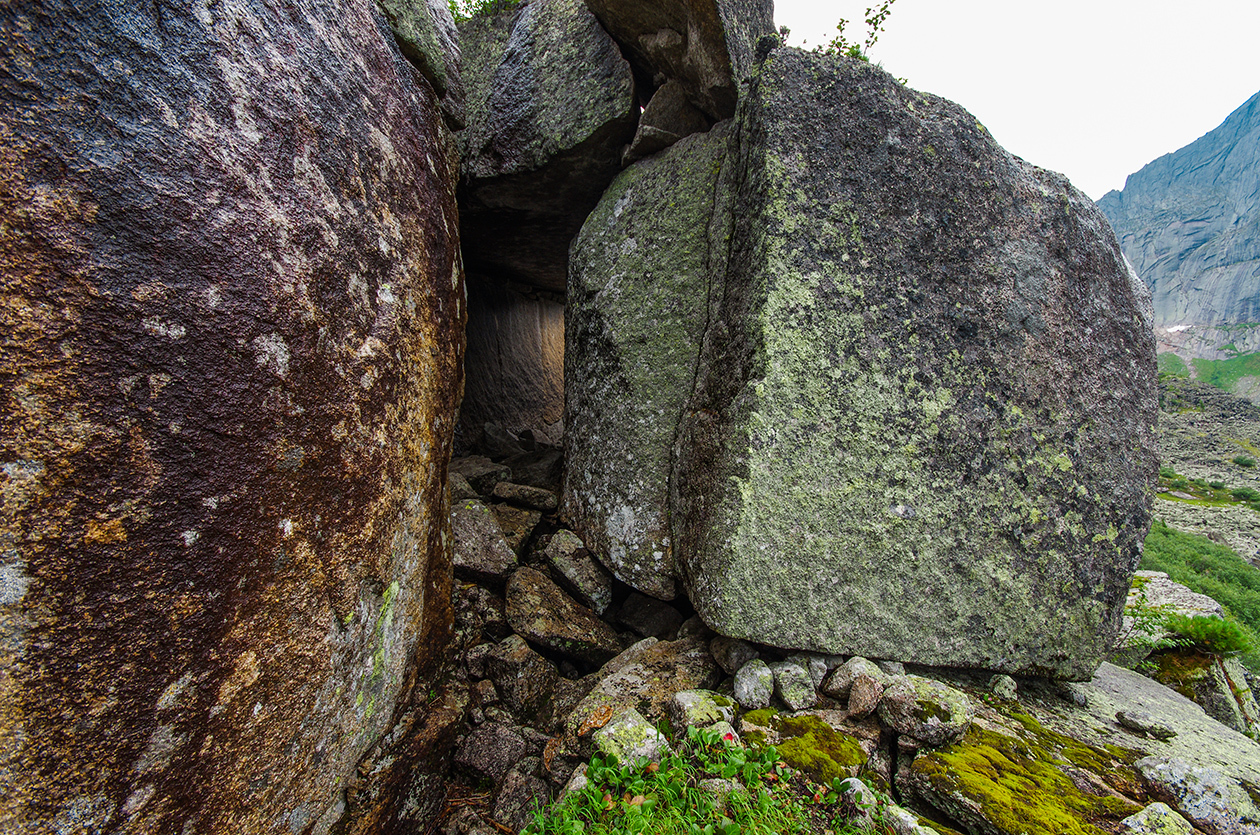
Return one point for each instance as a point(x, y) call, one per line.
point(809, 744)
point(1002, 783)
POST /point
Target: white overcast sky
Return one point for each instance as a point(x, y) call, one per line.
point(1094, 89)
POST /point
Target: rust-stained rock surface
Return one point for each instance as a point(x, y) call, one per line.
point(230, 343)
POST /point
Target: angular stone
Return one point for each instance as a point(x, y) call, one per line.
point(524, 679)
point(490, 751)
point(526, 496)
point(232, 302)
point(638, 298)
point(517, 798)
point(541, 612)
point(481, 551)
point(480, 472)
point(731, 653)
point(931, 712)
point(516, 523)
point(460, 488)
point(1210, 800)
point(754, 685)
point(540, 468)
point(840, 680)
point(699, 708)
point(1157, 819)
point(1144, 723)
point(650, 617)
point(479, 616)
point(912, 363)
point(814, 664)
point(694, 627)
point(793, 685)
point(1004, 687)
point(667, 118)
point(631, 738)
point(865, 693)
point(646, 676)
point(550, 105)
point(707, 46)
point(1218, 684)
point(579, 572)
point(1153, 589)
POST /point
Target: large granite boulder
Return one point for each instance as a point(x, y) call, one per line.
point(917, 383)
point(923, 421)
point(639, 293)
point(232, 309)
point(550, 105)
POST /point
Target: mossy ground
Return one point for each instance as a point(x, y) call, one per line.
point(1020, 785)
point(810, 744)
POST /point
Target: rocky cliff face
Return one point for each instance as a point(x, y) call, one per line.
point(1190, 224)
point(232, 318)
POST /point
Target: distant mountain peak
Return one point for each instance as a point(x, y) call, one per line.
point(1190, 224)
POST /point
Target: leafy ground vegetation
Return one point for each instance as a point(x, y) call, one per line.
point(712, 786)
point(464, 9)
point(1208, 568)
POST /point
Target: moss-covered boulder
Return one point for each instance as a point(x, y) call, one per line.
point(807, 742)
point(1218, 684)
point(639, 291)
point(1001, 784)
point(922, 427)
point(931, 712)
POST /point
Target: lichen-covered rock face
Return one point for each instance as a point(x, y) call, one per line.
point(232, 324)
point(639, 281)
point(550, 106)
point(923, 423)
point(707, 46)
point(427, 35)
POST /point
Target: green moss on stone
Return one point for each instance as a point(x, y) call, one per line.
point(809, 744)
point(1018, 785)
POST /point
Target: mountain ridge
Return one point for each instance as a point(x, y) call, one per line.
point(1189, 222)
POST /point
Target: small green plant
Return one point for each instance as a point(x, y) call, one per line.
point(665, 798)
point(1179, 483)
point(1245, 494)
point(1167, 472)
point(462, 10)
point(1216, 485)
point(1244, 461)
point(875, 19)
point(1212, 634)
point(1146, 631)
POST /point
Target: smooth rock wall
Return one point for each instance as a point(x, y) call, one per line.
point(232, 314)
point(515, 361)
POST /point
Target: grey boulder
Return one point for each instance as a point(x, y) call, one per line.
point(928, 373)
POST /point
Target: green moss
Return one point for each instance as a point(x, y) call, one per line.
point(1017, 785)
point(1112, 763)
point(809, 744)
